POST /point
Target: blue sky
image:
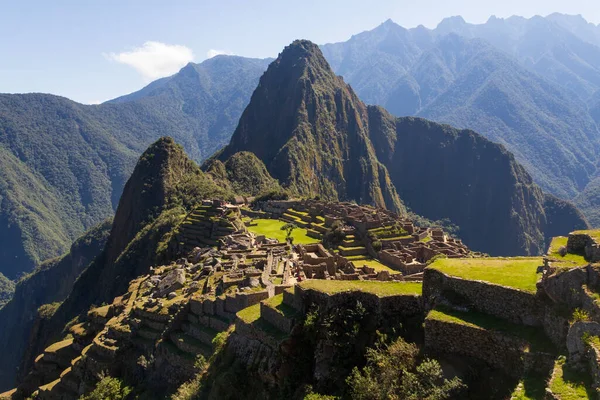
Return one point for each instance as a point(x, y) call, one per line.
point(94, 51)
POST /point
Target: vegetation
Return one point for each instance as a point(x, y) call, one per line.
point(63, 165)
point(378, 288)
point(7, 288)
point(568, 384)
point(335, 235)
point(289, 228)
point(580, 315)
point(517, 272)
point(394, 372)
point(109, 388)
point(297, 145)
point(558, 252)
point(249, 314)
point(271, 228)
point(272, 195)
point(531, 387)
point(378, 266)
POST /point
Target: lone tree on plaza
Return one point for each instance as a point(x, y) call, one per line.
point(289, 228)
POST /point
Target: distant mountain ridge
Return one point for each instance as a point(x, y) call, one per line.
point(310, 130)
point(63, 165)
point(491, 78)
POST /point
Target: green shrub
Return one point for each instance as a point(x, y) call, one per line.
point(393, 372)
point(377, 245)
point(580, 315)
point(109, 388)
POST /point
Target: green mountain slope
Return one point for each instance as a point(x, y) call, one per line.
point(307, 126)
point(63, 165)
point(50, 283)
point(7, 288)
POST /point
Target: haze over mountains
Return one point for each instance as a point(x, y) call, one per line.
point(492, 78)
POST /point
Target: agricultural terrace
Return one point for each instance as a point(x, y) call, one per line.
point(271, 228)
point(380, 289)
point(516, 272)
point(569, 259)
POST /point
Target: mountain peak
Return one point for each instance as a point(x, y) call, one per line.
point(311, 131)
point(452, 22)
point(302, 50)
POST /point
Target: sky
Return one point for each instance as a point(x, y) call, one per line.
point(92, 51)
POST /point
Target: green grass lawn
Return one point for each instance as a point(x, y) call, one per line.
point(250, 314)
point(531, 387)
point(271, 228)
point(516, 272)
point(378, 288)
point(534, 336)
point(373, 264)
point(277, 303)
point(570, 385)
point(569, 259)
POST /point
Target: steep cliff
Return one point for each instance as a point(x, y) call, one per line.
point(442, 172)
point(308, 127)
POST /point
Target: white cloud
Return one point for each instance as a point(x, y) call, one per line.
point(212, 52)
point(155, 59)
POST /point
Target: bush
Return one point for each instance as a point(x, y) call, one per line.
point(377, 245)
point(109, 388)
point(334, 235)
point(580, 315)
point(272, 195)
point(392, 372)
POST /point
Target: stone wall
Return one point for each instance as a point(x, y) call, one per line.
point(576, 345)
point(503, 302)
point(564, 287)
point(576, 243)
point(501, 351)
point(593, 356)
point(386, 307)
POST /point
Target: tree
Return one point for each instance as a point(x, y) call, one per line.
point(393, 372)
point(109, 388)
point(289, 228)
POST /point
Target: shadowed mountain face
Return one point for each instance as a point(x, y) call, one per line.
point(50, 283)
point(63, 165)
point(306, 125)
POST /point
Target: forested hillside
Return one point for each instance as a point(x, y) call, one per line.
point(63, 165)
